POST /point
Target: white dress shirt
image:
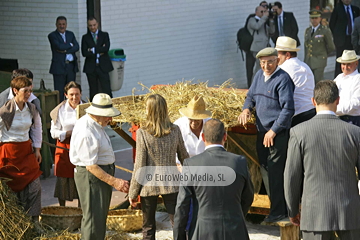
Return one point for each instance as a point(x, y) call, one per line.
point(349, 92)
point(193, 144)
point(304, 82)
point(65, 122)
point(20, 126)
point(90, 144)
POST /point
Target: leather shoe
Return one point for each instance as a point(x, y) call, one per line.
point(270, 219)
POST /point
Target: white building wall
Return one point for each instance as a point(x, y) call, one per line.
point(164, 40)
point(25, 25)
point(167, 41)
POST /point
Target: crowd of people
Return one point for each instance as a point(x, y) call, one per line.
point(308, 137)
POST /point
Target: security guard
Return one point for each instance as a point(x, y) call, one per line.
point(318, 44)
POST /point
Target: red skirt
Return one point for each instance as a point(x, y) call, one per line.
point(63, 167)
point(18, 163)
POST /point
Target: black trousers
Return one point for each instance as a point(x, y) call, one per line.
point(302, 117)
point(339, 52)
point(250, 62)
point(148, 206)
point(60, 80)
point(99, 82)
point(273, 160)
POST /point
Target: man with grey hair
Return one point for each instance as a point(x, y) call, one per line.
point(272, 94)
point(320, 171)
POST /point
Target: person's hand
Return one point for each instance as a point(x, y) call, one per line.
point(244, 117)
point(266, 13)
point(121, 185)
point(133, 202)
point(38, 155)
point(295, 220)
point(269, 138)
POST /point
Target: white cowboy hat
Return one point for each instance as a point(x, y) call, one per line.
point(348, 56)
point(196, 109)
point(286, 44)
point(102, 106)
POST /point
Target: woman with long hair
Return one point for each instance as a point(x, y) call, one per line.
point(157, 143)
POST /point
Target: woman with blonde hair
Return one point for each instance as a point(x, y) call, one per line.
point(157, 143)
point(63, 120)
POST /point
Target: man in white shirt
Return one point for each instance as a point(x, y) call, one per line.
point(191, 125)
point(302, 77)
point(348, 83)
point(92, 154)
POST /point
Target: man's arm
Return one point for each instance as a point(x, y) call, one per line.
point(286, 102)
point(75, 45)
point(294, 25)
point(355, 35)
point(117, 183)
point(57, 43)
point(333, 20)
point(329, 41)
point(293, 175)
point(85, 48)
point(104, 48)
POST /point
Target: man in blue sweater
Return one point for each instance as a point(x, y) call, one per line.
point(272, 94)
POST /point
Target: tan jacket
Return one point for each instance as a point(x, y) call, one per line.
point(156, 151)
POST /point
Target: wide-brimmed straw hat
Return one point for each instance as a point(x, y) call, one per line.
point(286, 44)
point(348, 56)
point(196, 109)
point(102, 106)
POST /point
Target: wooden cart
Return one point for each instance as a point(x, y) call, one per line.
point(240, 141)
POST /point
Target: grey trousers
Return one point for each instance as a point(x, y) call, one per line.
point(329, 235)
point(94, 196)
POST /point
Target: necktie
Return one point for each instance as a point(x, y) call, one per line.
point(63, 37)
point(312, 32)
point(94, 37)
point(349, 25)
point(281, 31)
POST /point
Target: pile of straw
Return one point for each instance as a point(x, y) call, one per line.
point(14, 223)
point(224, 101)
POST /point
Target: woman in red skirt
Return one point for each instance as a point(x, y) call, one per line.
point(19, 155)
point(63, 120)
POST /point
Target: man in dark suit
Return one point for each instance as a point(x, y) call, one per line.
point(323, 154)
point(64, 62)
point(95, 45)
point(218, 210)
point(285, 24)
point(342, 25)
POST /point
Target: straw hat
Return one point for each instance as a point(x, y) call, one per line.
point(286, 44)
point(196, 109)
point(348, 56)
point(102, 106)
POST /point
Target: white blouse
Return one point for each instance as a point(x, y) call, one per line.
point(19, 130)
point(65, 122)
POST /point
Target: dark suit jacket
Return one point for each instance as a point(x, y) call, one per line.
point(102, 47)
point(290, 27)
point(4, 98)
point(338, 23)
point(218, 211)
point(321, 160)
point(59, 50)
